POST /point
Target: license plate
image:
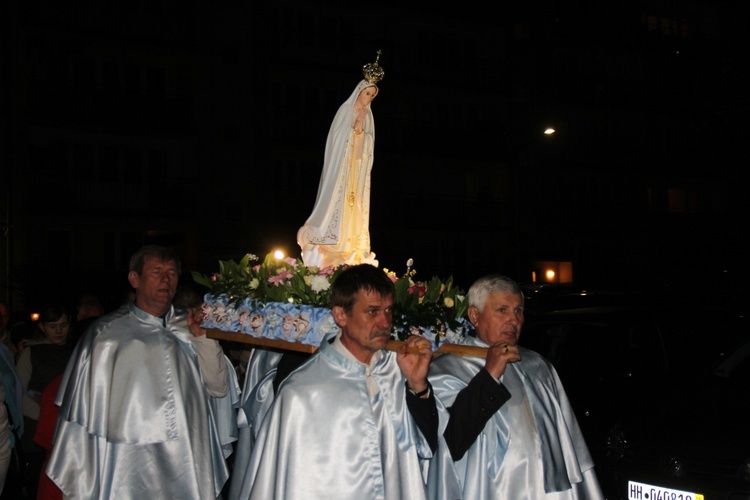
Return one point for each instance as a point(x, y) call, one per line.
point(641, 491)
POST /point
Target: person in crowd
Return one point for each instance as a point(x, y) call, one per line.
point(11, 414)
point(354, 420)
point(188, 300)
point(41, 361)
point(88, 310)
point(38, 364)
point(5, 439)
point(512, 432)
point(11, 421)
point(135, 409)
point(45, 431)
point(88, 306)
point(4, 321)
point(21, 335)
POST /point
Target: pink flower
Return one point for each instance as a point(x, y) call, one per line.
point(417, 288)
point(326, 271)
point(256, 268)
point(279, 278)
point(291, 261)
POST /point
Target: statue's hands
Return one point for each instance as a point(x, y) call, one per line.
point(359, 119)
point(498, 357)
point(195, 318)
point(414, 361)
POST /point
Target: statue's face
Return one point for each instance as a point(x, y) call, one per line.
point(367, 96)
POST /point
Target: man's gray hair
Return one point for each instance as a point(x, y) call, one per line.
point(491, 283)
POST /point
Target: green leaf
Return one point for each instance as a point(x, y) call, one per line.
point(202, 279)
point(434, 289)
point(401, 290)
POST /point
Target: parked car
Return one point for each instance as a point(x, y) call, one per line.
point(613, 351)
point(692, 442)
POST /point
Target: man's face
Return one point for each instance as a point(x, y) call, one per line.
point(56, 331)
point(155, 286)
point(500, 320)
point(366, 329)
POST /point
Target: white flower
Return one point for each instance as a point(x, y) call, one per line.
point(319, 283)
point(448, 302)
point(460, 297)
point(254, 283)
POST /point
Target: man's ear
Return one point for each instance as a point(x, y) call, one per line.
point(473, 313)
point(134, 279)
point(339, 315)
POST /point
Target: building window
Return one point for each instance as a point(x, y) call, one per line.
point(679, 28)
point(682, 200)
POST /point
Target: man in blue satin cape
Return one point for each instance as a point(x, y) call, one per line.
point(138, 416)
point(512, 432)
point(354, 421)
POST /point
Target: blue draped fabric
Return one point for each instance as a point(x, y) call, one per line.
point(325, 437)
point(135, 419)
point(531, 448)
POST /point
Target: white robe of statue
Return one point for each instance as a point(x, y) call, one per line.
point(338, 231)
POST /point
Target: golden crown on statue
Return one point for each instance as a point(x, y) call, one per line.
point(373, 72)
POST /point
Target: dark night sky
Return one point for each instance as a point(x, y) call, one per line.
point(463, 180)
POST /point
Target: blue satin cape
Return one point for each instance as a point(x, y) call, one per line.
point(325, 437)
point(531, 448)
point(135, 420)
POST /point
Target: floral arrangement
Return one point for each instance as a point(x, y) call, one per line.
point(284, 299)
point(273, 280)
point(434, 308)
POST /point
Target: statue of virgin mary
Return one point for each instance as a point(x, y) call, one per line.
point(338, 230)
